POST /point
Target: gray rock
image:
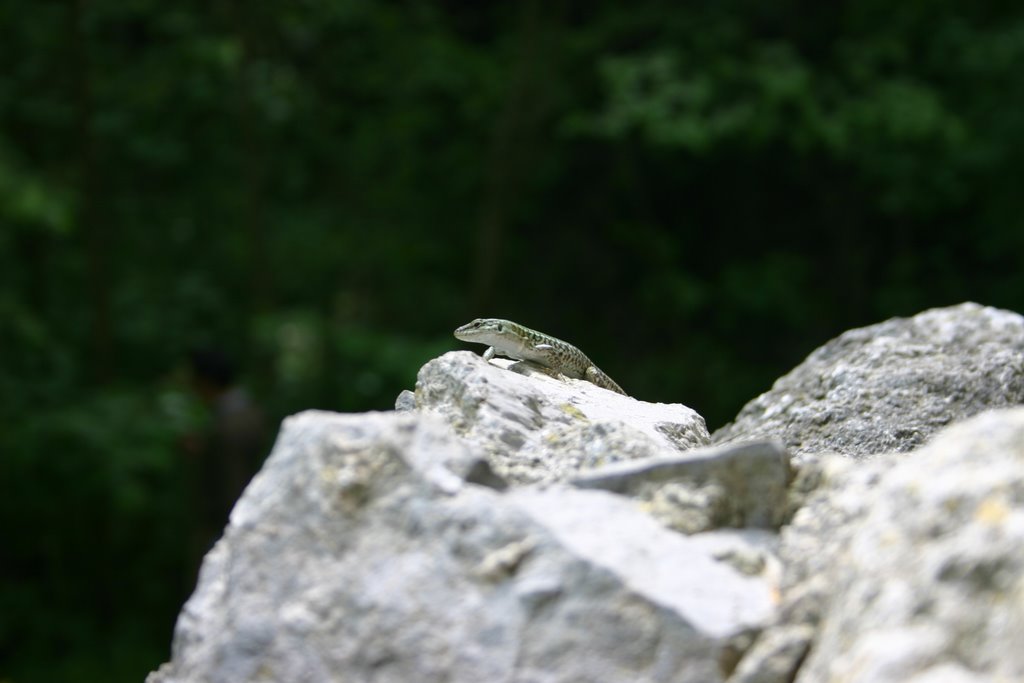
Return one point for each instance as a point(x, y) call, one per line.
point(535, 428)
point(776, 657)
point(929, 581)
point(361, 553)
point(406, 400)
point(907, 567)
point(511, 526)
point(737, 485)
point(888, 387)
point(838, 490)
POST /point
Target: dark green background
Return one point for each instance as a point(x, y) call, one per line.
point(698, 194)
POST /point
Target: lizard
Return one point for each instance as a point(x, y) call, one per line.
point(521, 343)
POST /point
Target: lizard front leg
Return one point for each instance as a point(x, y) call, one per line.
point(489, 353)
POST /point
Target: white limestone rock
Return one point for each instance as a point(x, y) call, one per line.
point(890, 386)
point(931, 578)
point(360, 553)
point(906, 567)
point(510, 526)
point(736, 485)
point(535, 428)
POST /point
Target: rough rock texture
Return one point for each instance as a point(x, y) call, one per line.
point(907, 568)
point(808, 549)
point(890, 386)
point(358, 554)
point(533, 427)
point(738, 485)
point(509, 526)
point(405, 401)
point(931, 578)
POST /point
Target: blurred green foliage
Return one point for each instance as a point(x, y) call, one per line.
point(698, 194)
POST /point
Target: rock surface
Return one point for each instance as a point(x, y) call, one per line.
point(358, 555)
point(738, 485)
point(509, 526)
point(535, 428)
point(931, 578)
point(907, 568)
point(890, 386)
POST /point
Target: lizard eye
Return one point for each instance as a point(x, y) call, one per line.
point(501, 328)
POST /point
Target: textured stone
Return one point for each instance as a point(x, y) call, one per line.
point(533, 427)
point(406, 400)
point(890, 386)
point(510, 526)
point(906, 567)
point(359, 553)
point(931, 577)
point(737, 485)
point(777, 655)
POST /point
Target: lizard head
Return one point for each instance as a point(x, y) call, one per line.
point(485, 330)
